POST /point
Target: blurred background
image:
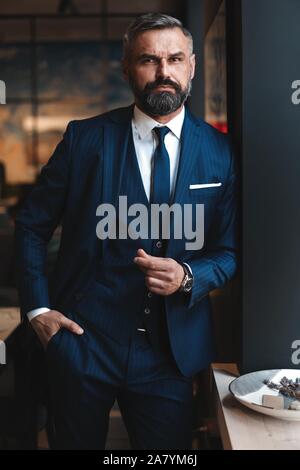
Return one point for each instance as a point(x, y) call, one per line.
point(60, 60)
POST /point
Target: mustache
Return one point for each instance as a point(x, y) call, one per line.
point(152, 85)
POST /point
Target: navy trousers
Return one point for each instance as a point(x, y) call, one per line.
point(87, 373)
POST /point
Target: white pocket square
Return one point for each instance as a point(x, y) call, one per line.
point(203, 186)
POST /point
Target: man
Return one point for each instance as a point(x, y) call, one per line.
point(129, 318)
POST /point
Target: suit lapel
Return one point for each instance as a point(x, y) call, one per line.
point(191, 137)
point(115, 141)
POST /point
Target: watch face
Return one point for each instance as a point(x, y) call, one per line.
point(187, 282)
point(188, 286)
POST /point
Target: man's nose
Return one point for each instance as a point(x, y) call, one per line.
point(163, 69)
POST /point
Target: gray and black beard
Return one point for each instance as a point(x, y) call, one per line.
point(162, 103)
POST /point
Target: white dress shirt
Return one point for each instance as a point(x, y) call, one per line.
point(145, 143)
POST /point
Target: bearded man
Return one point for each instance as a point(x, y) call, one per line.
point(128, 318)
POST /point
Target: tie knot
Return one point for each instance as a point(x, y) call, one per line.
point(161, 133)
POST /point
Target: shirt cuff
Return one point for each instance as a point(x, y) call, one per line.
point(37, 311)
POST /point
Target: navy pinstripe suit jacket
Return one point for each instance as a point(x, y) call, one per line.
point(85, 170)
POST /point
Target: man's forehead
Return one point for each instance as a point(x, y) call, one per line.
point(158, 41)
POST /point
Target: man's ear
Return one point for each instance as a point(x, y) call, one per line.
point(193, 65)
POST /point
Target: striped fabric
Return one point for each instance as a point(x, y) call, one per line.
point(89, 167)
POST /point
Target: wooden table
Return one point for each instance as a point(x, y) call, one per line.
point(243, 429)
point(9, 320)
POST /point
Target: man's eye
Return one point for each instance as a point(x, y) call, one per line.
point(176, 59)
point(148, 61)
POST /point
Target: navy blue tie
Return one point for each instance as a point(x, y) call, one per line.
point(161, 172)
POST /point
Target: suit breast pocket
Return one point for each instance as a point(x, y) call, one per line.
point(204, 194)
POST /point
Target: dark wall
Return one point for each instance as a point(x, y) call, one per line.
point(270, 125)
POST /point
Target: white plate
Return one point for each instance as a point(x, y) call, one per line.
point(249, 389)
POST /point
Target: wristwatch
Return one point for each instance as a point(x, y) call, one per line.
point(188, 280)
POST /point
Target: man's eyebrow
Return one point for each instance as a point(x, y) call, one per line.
point(155, 57)
point(177, 54)
point(147, 56)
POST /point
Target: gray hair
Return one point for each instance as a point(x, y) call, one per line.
point(150, 21)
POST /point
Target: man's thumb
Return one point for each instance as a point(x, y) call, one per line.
point(142, 253)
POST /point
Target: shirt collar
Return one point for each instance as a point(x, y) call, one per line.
point(144, 123)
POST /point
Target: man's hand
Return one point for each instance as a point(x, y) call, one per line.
point(163, 276)
point(48, 324)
